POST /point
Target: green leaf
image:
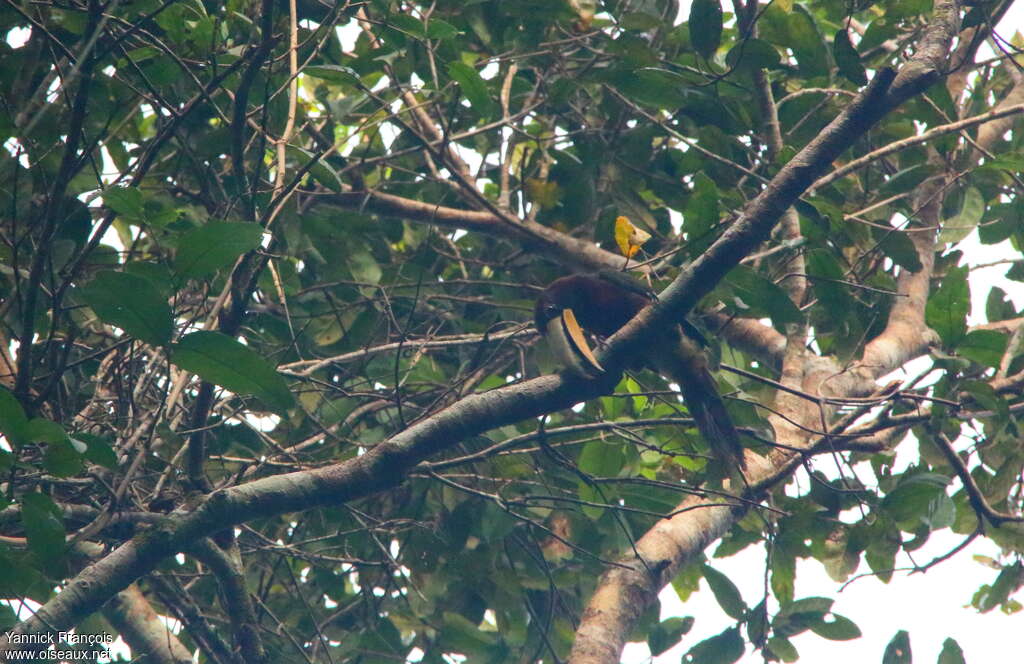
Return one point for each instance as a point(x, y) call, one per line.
point(40, 430)
point(127, 202)
point(838, 628)
point(131, 303)
point(461, 635)
point(983, 346)
point(410, 25)
point(818, 606)
point(898, 650)
point(753, 53)
point(951, 653)
point(601, 459)
point(725, 648)
point(986, 396)
point(783, 577)
point(667, 633)
point(1009, 580)
point(363, 266)
point(639, 21)
point(650, 86)
point(221, 360)
point(62, 459)
point(472, 86)
point(960, 226)
point(97, 450)
point(13, 421)
point(321, 171)
point(335, 74)
point(705, 26)
point(897, 246)
point(807, 43)
point(214, 245)
point(761, 297)
point(44, 527)
point(847, 59)
point(726, 593)
point(438, 29)
point(911, 498)
point(947, 309)
point(783, 648)
point(822, 263)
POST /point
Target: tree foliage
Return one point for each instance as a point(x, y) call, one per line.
point(267, 275)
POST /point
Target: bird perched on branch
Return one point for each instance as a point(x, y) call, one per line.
point(601, 304)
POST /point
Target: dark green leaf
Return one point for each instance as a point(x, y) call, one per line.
point(706, 26)
point(761, 297)
point(898, 247)
point(807, 43)
point(986, 396)
point(438, 29)
point(214, 245)
point(97, 450)
point(898, 650)
point(319, 169)
point(783, 577)
point(724, 648)
point(472, 86)
point(13, 422)
point(638, 21)
point(983, 346)
point(667, 633)
point(726, 593)
point(783, 648)
point(753, 53)
point(131, 303)
point(836, 628)
point(223, 361)
point(463, 636)
point(1009, 580)
point(951, 653)
point(44, 527)
point(828, 287)
point(911, 498)
point(62, 459)
point(947, 308)
point(41, 430)
point(601, 459)
point(334, 74)
point(410, 25)
point(818, 606)
point(847, 59)
point(127, 202)
point(652, 87)
point(960, 226)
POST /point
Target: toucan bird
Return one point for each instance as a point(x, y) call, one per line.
point(600, 304)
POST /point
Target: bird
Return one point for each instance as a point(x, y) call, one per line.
point(603, 303)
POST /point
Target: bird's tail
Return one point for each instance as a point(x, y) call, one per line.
point(687, 366)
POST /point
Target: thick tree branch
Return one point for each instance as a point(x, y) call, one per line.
point(621, 595)
point(382, 467)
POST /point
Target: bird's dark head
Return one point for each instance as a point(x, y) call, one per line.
point(601, 305)
point(557, 297)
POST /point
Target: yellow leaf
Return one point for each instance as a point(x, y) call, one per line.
point(543, 193)
point(629, 237)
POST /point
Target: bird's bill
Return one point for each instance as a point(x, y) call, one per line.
point(569, 342)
